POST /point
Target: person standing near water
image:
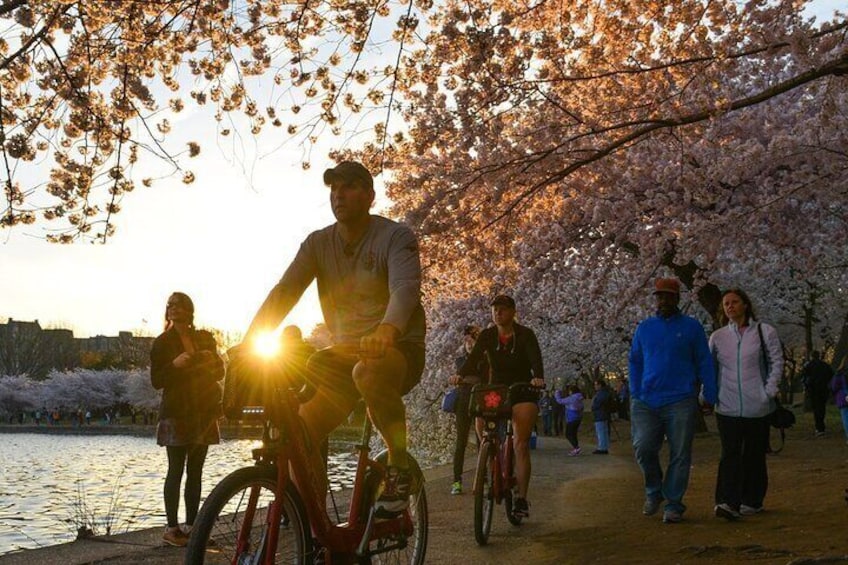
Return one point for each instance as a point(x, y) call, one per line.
point(185, 366)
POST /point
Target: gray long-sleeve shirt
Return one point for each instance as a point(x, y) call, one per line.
point(376, 280)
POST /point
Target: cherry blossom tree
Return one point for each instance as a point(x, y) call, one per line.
point(89, 88)
point(566, 152)
point(578, 151)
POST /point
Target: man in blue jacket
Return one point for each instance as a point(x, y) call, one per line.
point(670, 362)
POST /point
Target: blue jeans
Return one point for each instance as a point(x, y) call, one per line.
point(548, 422)
point(602, 432)
point(844, 413)
point(648, 427)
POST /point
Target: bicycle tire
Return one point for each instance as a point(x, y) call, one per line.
point(414, 547)
point(484, 500)
point(214, 537)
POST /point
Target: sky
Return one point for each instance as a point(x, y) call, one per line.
point(225, 240)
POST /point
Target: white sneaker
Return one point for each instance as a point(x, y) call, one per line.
point(727, 512)
point(746, 510)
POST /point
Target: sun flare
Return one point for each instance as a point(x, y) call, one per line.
point(267, 344)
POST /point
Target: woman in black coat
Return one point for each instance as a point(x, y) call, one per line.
point(185, 365)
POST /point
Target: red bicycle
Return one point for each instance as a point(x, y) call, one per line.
point(494, 481)
point(274, 511)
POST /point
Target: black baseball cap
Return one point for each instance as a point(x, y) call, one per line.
point(503, 300)
point(349, 170)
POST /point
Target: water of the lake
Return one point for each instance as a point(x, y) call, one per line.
point(50, 483)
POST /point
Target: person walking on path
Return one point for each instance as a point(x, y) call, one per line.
point(623, 396)
point(185, 366)
point(546, 407)
point(669, 361)
point(749, 364)
point(601, 414)
point(839, 386)
point(463, 416)
point(573, 405)
point(558, 416)
point(817, 375)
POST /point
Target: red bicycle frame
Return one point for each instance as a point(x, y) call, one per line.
point(296, 462)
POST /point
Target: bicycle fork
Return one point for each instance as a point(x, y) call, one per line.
point(488, 451)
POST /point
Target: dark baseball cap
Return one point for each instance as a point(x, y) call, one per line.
point(503, 300)
point(349, 170)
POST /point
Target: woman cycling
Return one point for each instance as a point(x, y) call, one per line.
point(513, 354)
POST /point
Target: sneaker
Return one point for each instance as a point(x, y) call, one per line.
point(456, 487)
point(727, 512)
point(574, 452)
point(394, 492)
point(651, 506)
point(175, 537)
point(521, 508)
point(820, 433)
point(746, 510)
point(672, 517)
point(600, 452)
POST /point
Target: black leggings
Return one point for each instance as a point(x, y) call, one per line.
point(190, 457)
point(571, 433)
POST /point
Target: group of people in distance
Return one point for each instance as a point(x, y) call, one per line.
point(368, 276)
point(674, 371)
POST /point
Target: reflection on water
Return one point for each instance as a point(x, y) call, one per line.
point(49, 483)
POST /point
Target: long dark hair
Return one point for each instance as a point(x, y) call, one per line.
point(182, 297)
point(749, 307)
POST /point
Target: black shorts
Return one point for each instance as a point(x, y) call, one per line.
point(524, 394)
point(328, 368)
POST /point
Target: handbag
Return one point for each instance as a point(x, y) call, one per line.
point(781, 417)
point(449, 400)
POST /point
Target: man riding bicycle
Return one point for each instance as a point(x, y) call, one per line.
point(369, 284)
point(513, 354)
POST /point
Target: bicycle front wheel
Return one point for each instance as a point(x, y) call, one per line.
point(484, 499)
point(232, 525)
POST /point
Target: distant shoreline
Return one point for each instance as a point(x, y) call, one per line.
point(344, 434)
point(136, 430)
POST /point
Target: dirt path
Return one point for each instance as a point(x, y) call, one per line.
point(587, 509)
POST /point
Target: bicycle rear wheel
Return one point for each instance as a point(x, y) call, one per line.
point(409, 549)
point(484, 500)
point(508, 498)
point(215, 536)
point(511, 492)
point(415, 546)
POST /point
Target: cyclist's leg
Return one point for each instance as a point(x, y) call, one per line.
point(335, 397)
point(523, 418)
point(380, 381)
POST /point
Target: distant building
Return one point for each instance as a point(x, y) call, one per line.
point(27, 348)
